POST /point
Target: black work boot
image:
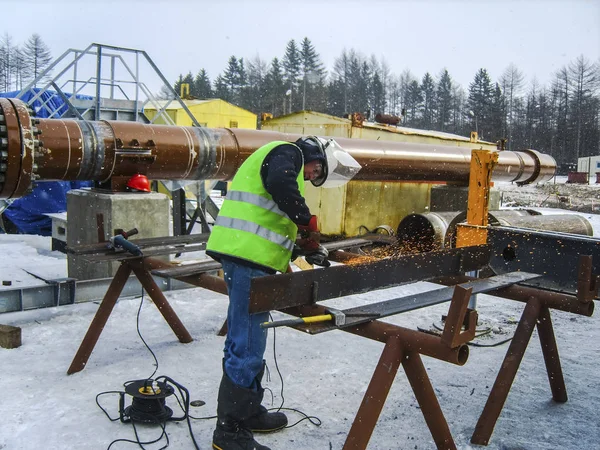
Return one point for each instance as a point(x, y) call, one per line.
point(234, 405)
point(263, 421)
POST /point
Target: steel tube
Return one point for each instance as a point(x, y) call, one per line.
point(100, 318)
point(86, 150)
point(374, 399)
point(551, 356)
point(161, 302)
point(414, 341)
point(432, 412)
point(506, 375)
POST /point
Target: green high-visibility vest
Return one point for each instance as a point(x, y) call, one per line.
point(250, 225)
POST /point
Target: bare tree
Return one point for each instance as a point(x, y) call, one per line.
point(36, 56)
point(19, 69)
point(583, 86)
point(6, 43)
point(511, 83)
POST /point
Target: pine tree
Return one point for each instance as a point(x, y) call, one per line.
point(428, 92)
point(313, 73)
point(231, 78)
point(292, 68)
point(221, 89)
point(275, 89)
point(497, 115)
point(444, 101)
point(377, 102)
point(480, 102)
point(36, 56)
point(189, 80)
point(336, 98)
point(414, 101)
point(202, 87)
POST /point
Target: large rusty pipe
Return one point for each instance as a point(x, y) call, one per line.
point(57, 149)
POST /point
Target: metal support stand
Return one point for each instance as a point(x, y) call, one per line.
point(405, 346)
point(534, 314)
point(110, 299)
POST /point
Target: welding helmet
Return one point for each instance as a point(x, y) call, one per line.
point(339, 166)
point(139, 182)
point(313, 149)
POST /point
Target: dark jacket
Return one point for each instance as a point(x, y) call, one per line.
point(279, 173)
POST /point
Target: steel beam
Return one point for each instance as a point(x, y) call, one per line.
point(299, 288)
point(553, 254)
point(416, 301)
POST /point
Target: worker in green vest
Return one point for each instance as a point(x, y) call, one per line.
point(254, 235)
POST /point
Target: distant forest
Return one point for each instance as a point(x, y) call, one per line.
point(562, 119)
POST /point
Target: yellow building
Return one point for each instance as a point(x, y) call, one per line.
point(348, 210)
point(211, 113)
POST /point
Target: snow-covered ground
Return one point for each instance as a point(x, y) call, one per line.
point(324, 375)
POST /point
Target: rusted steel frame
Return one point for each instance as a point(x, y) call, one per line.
point(95, 329)
point(160, 301)
point(550, 299)
point(551, 356)
point(412, 340)
point(424, 343)
point(587, 282)
point(457, 316)
point(202, 280)
point(506, 375)
point(430, 407)
point(372, 403)
point(300, 288)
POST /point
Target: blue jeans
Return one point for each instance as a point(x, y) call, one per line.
point(246, 341)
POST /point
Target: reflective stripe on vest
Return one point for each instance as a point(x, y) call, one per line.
point(251, 227)
point(257, 200)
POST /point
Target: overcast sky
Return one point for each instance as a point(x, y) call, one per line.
point(539, 37)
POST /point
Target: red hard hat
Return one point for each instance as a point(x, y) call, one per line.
point(139, 182)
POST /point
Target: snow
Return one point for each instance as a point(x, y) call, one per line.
point(324, 375)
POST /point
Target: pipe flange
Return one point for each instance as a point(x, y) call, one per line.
point(16, 148)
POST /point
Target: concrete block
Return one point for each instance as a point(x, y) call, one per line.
point(455, 198)
point(148, 212)
point(10, 337)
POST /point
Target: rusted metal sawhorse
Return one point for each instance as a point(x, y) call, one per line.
point(137, 266)
point(404, 347)
point(536, 314)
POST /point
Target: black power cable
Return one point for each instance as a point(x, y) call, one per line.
point(312, 419)
point(149, 401)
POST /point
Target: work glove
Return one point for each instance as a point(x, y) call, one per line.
point(318, 257)
point(315, 256)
